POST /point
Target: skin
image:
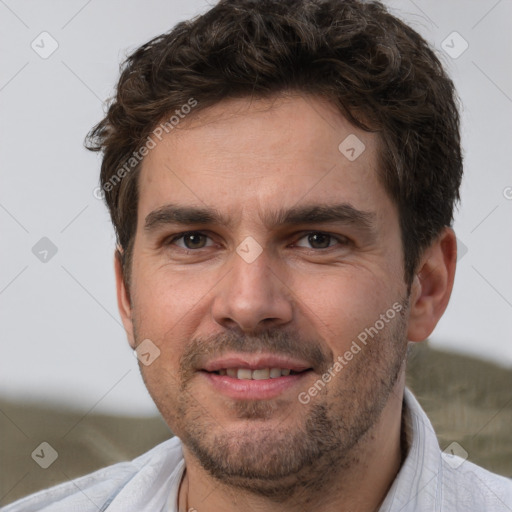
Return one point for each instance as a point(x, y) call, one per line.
point(302, 297)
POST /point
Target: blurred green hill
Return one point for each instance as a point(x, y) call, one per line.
point(467, 400)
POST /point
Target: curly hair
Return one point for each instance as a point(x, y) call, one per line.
point(380, 74)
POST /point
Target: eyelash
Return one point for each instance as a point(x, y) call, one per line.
point(340, 239)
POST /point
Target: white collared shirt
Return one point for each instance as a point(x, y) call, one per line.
point(431, 481)
point(428, 481)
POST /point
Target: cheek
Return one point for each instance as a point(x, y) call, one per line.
point(343, 303)
point(167, 309)
point(166, 298)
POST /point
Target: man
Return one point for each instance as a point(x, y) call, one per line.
point(281, 175)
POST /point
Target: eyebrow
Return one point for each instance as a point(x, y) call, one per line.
point(343, 213)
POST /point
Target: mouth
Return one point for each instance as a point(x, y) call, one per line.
point(255, 378)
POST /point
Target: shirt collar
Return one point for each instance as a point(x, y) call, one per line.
point(416, 486)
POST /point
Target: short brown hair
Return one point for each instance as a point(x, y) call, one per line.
point(380, 73)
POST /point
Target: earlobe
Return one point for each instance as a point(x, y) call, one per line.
point(123, 297)
point(432, 285)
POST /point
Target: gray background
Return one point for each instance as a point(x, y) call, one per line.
point(62, 339)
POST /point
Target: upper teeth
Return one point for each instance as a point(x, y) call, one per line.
point(263, 373)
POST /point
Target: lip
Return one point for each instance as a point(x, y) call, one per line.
point(256, 362)
point(241, 389)
point(245, 389)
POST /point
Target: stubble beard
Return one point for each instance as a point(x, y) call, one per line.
point(285, 461)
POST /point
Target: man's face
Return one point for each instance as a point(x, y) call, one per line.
point(276, 287)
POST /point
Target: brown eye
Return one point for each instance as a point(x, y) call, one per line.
point(190, 241)
point(319, 240)
point(194, 241)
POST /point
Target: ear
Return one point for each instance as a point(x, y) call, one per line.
point(432, 285)
point(123, 298)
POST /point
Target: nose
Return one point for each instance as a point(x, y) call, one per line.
point(253, 297)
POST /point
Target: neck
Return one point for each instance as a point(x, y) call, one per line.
point(361, 486)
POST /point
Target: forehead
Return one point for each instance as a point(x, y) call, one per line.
point(243, 155)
